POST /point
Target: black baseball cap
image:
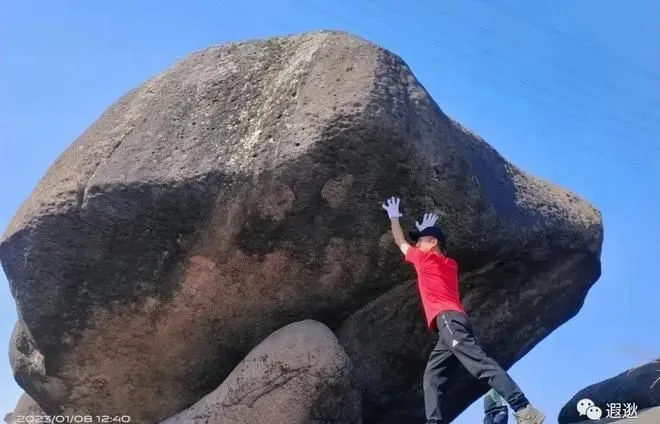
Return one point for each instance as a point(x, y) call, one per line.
point(429, 231)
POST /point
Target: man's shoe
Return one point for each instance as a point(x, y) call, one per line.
point(529, 415)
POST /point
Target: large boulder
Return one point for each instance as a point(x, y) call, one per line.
point(241, 190)
point(635, 389)
point(297, 375)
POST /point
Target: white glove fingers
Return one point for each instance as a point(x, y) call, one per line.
point(391, 205)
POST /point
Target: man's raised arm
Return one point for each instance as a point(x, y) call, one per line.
point(392, 208)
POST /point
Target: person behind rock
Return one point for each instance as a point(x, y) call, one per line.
point(495, 410)
point(437, 282)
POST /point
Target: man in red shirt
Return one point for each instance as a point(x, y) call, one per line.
point(437, 281)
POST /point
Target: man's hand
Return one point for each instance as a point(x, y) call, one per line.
point(428, 221)
point(392, 207)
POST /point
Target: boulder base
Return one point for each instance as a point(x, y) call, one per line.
point(298, 375)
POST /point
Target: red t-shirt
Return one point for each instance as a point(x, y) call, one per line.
point(437, 280)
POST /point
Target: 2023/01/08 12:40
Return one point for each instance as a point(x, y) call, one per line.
point(72, 419)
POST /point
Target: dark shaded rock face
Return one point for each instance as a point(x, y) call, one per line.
point(639, 386)
point(240, 191)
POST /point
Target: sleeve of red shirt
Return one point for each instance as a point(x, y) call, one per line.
point(414, 255)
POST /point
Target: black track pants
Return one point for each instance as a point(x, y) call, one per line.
point(457, 346)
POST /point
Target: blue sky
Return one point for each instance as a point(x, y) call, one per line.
point(571, 94)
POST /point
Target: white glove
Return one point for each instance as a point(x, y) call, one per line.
point(428, 221)
point(392, 207)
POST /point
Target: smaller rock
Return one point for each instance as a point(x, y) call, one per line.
point(297, 375)
point(638, 388)
point(647, 416)
point(25, 407)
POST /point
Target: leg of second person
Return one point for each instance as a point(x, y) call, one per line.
point(497, 418)
point(455, 330)
point(494, 412)
point(501, 418)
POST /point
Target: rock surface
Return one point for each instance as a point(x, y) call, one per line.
point(26, 411)
point(639, 386)
point(298, 375)
point(240, 191)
